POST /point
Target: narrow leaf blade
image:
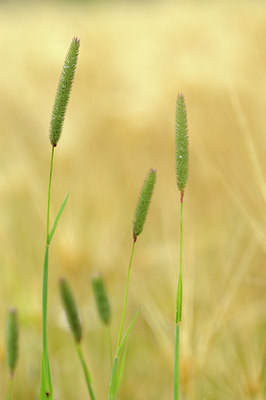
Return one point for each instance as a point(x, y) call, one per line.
point(120, 372)
point(61, 209)
point(128, 331)
point(46, 383)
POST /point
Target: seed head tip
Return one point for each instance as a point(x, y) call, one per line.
point(63, 92)
point(181, 144)
point(143, 203)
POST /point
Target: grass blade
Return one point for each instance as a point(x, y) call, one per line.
point(113, 380)
point(61, 209)
point(46, 384)
point(120, 372)
point(128, 332)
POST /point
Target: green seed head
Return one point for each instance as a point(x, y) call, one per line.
point(11, 340)
point(143, 203)
point(181, 144)
point(71, 310)
point(101, 299)
point(63, 91)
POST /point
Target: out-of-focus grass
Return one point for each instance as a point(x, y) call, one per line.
point(133, 61)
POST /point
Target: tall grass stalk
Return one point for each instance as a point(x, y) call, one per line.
point(178, 310)
point(138, 223)
point(46, 384)
point(181, 176)
point(59, 109)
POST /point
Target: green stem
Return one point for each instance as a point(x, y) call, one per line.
point(44, 302)
point(46, 386)
point(86, 371)
point(110, 395)
point(112, 381)
point(178, 308)
point(125, 299)
point(176, 364)
point(10, 387)
point(49, 196)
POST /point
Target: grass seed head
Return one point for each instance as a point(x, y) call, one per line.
point(101, 299)
point(71, 310)
point(181, 144)
point(143, 203)
point(63, 91)
point(11, 340)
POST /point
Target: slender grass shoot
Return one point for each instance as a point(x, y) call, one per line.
point(138, 223)
point(59, 109)
point(181, 176)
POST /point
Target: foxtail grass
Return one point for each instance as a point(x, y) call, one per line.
point(138, 224)
point(103, 307)
point(11, 347)
point(181, 177)
point(58, 114)
point(101, 299)
point(74, 321)
point(63, 92)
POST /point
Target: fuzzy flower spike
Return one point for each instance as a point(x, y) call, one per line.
point(181, 144)
point(101, 298)
point(143, 203)
point(71, 309)
point(11, 340)
point(11, 348)
point(63, 92)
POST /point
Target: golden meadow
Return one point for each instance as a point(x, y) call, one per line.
point(134, 59)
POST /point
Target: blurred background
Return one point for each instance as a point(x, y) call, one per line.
point(135, 56)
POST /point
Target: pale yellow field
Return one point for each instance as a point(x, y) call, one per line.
point(134, 59)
